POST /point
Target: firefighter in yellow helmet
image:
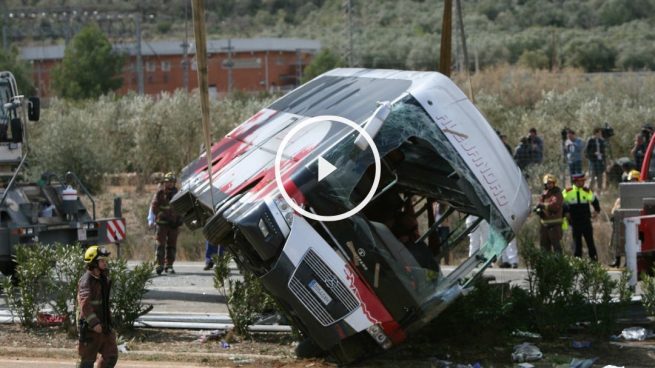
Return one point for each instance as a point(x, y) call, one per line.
point(167, 222)
point(96, 335)
point(550, 209)
point(634, 175)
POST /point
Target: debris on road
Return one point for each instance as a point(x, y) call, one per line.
point(636, 334)
point(582, 363)
point(583, 344)
point(532, 335)
point(212, 335)
point(526, 352)
point(47, 319)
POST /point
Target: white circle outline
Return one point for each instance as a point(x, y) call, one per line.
point(372, 146)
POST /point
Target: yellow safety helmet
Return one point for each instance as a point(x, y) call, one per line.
point(94, 253)
point(550, 178)
point(634, 175)
point(169, 177)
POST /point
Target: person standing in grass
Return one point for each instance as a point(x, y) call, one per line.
point(573, 149)
point(536, 146)
point(595, 152)
point(168, 223)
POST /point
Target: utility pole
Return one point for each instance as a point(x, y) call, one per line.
point(298, 66)
point(350, 34)
point(229, 65)
point(185, 51)
point(458, 4)
point(446, 38)
point(139, 61)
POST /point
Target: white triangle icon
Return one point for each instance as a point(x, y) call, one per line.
point(324, 168)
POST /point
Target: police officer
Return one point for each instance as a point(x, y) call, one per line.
point(578, 198)
point(167, 222)
point(94, 317)
point(550, 208)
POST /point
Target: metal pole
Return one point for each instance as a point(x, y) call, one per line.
point(298, 66)
point(464, 51)
point(266, 70)
point(139, 61)
point(229, 66)
point(185, 51)
point(198, 10)
point(350, 34)
point(631, 247)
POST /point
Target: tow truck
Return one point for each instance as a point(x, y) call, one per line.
point(46, 211)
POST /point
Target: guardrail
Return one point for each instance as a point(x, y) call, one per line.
point(181, 321)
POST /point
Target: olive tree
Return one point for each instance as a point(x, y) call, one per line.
point(90, 67)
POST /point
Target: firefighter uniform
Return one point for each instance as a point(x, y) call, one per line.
point(578, 198)
point(551, 205)
point(167, 222)
point(93, 309)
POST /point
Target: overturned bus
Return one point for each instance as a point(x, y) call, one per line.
point(363, 283)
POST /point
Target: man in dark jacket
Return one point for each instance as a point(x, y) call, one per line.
point(595, 152)
point(578, 198)
point(523, 154)
point(94, 316)
point(167, 222)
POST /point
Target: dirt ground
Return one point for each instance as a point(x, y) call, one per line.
point(186, 348)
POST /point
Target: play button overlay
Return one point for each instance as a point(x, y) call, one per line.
point(325, 168)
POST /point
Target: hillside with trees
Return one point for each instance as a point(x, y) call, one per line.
point(594, 35)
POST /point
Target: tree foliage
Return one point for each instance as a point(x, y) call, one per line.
point(406, 33)
point(322, 62)
point(22, 71)
point(90, 67)
point(132, 133)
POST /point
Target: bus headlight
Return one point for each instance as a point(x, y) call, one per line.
point(285, 209)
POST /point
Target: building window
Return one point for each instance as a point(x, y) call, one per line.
point(151, 66)
point(194, 65)
point(165, 66)
point(280, 60)
point(249, 63)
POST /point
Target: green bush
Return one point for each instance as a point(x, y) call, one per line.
point(49, 275)
point(648, 293)
point(246, 300)
point(127, 290)
point(68, 269)
point(554, 302)
point(31, 291)
point(563, 290)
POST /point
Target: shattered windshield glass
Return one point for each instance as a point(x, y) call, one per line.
point(418, 163)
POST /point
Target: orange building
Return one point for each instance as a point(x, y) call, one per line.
point(257, 64)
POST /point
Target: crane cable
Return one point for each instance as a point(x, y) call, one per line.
point(460, 18)
point(198, 10)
